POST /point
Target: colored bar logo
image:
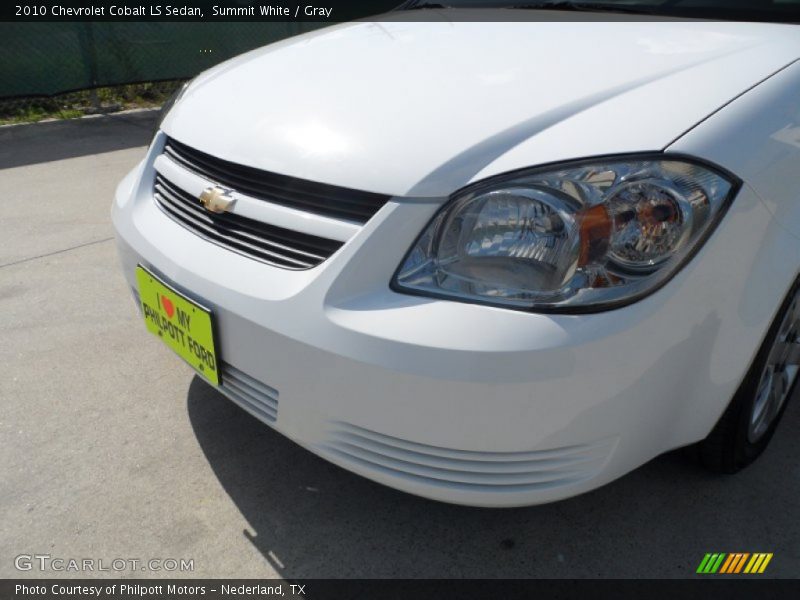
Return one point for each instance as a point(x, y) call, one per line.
point(734, 563)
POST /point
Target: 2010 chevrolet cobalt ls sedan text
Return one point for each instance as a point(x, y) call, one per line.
point(496, 263)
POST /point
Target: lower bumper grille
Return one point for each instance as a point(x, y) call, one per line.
point(467, 470)
point(255, 397)
point(273, 245)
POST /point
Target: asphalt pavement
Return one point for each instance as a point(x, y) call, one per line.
point(112, 449)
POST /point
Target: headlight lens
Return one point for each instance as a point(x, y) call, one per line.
point(588, 236)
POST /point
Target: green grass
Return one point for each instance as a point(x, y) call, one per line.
point(31, 114)
point(78, 104)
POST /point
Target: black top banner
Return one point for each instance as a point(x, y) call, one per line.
point(335, 11)
point(193, 10)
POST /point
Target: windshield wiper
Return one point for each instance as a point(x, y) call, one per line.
point(585, 7)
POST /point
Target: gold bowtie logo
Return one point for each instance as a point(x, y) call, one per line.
point(216, 199)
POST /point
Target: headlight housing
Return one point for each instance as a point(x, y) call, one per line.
point(577, 237)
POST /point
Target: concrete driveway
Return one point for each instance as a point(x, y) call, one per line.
point(112, 449)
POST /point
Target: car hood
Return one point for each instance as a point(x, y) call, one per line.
point(422, 108)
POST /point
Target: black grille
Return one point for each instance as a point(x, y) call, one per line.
point(267, 243)
point(308, 196)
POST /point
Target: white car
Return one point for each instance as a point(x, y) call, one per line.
point(492, 263)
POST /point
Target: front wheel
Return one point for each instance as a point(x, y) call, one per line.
point(748, 424)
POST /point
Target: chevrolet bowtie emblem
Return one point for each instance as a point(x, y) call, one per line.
point(216, 199)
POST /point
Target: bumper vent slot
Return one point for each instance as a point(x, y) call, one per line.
point(270, 244)
point(466, 470)
point(257, 398)
point(308, 196)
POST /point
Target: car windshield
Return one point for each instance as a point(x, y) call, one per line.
point(750, 10)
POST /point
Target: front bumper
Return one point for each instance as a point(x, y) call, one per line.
point(464, 403)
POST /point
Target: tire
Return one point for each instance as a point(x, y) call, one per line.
point(750, 421)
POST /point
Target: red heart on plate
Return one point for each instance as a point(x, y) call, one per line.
point(168, 306)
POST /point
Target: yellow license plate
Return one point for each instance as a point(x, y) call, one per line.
point(182, 324)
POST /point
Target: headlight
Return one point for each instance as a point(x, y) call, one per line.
point(571, 238)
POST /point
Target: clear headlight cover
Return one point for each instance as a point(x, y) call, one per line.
point(572, 238)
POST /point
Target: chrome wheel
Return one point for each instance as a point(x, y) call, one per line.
point(778, 376)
